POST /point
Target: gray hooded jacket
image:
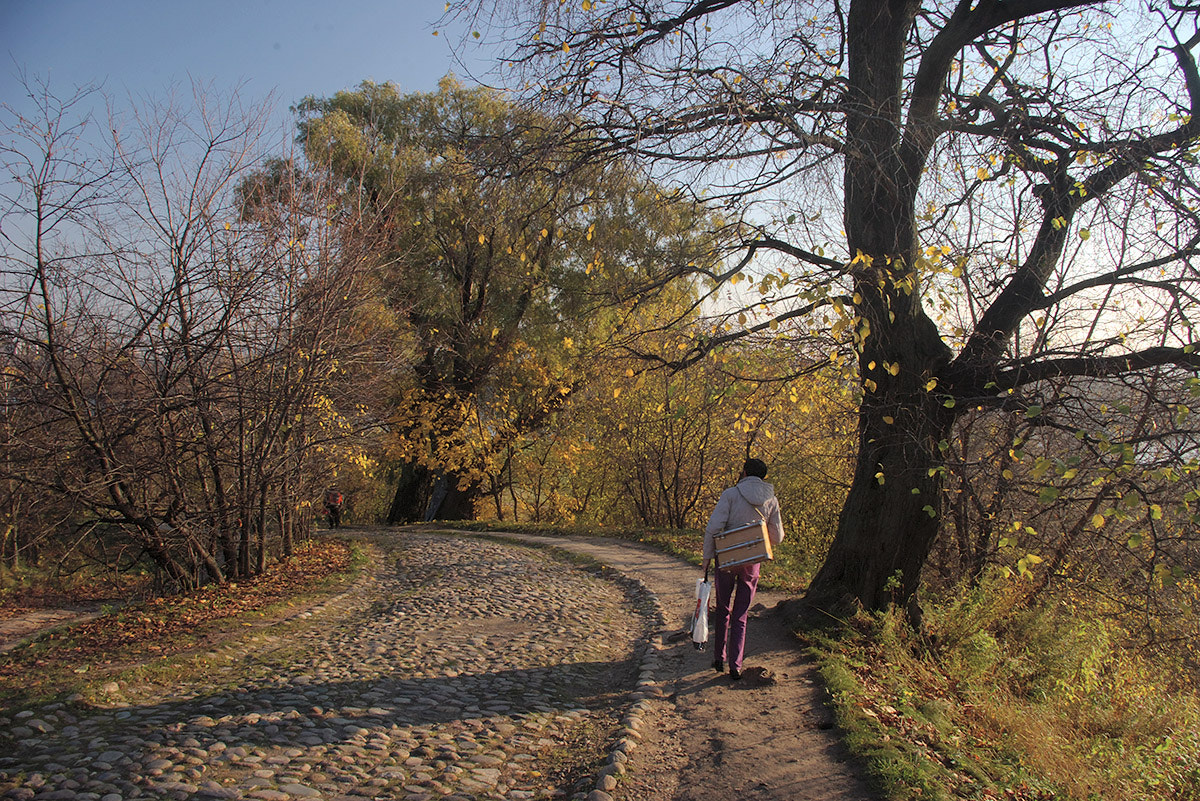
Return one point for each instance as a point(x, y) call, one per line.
point(749, 500)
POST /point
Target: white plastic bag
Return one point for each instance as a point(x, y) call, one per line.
point(700, 617)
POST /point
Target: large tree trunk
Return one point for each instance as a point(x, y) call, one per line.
point(423, 495)
point(458, 503)
point(412, 491)
point(891, 515)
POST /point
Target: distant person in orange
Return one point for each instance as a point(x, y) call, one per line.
point(333, 506)
point(750, 500)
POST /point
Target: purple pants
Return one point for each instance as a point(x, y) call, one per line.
point(735, 593)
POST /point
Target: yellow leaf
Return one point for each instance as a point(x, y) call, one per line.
point(1098, 521)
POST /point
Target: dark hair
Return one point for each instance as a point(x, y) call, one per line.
point(755, 467)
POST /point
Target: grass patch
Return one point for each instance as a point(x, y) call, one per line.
point(65, 585)
point(1003, 701)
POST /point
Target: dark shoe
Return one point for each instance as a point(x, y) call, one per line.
point(719, 665)
point(735, 674)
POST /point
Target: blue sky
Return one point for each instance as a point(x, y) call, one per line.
point(294, 47)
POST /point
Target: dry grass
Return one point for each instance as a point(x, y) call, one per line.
point(1018, 701)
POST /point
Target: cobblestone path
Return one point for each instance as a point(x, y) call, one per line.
point(458, 668)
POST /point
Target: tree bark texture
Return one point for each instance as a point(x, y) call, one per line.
point(423, 495)
point(891, 515)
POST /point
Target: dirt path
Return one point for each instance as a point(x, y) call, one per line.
point(765, 738)
point(18, 628)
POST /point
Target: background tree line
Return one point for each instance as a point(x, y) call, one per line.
point(432, 303)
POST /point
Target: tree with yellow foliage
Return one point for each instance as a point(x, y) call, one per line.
point(507, 251)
